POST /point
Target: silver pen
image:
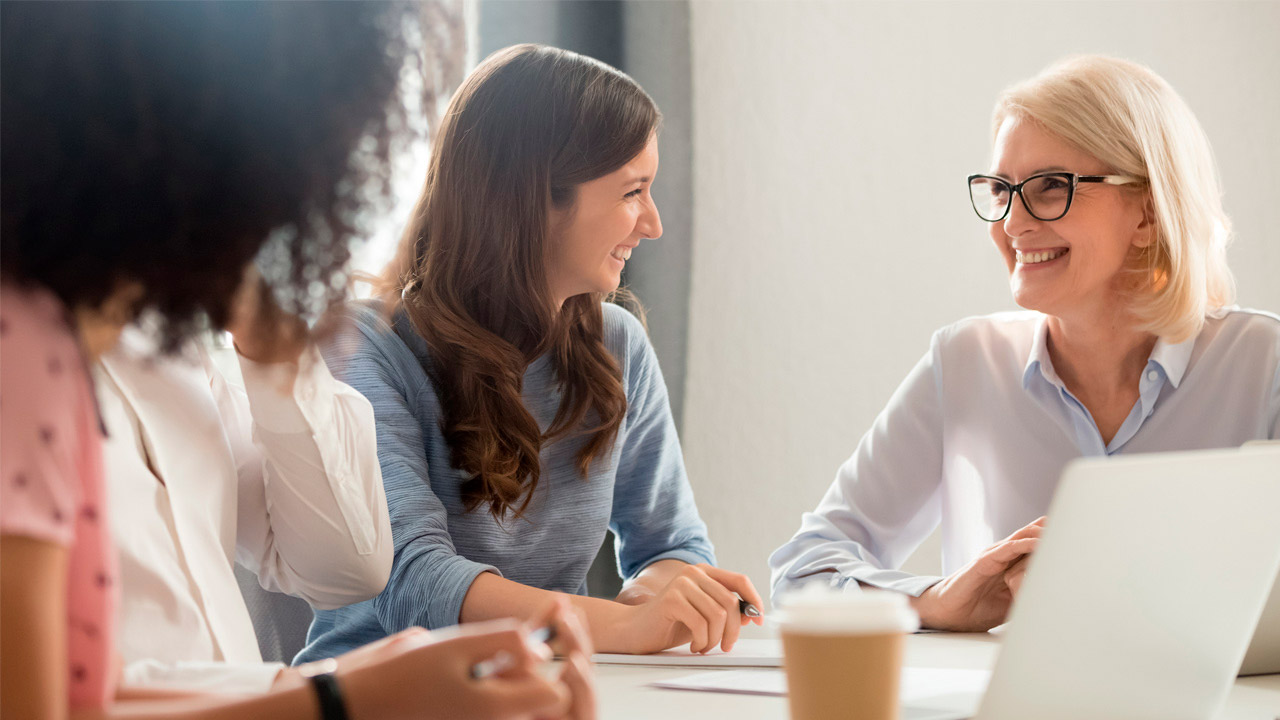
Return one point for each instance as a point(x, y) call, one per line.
point(503, 660)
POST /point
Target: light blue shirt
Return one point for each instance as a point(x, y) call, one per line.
point(977, 435)
point(638, 490)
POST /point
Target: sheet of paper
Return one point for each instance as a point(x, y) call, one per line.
point(739, 682)
point(919, 685)
point(758, 653)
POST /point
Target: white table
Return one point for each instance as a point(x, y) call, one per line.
point(625, 695)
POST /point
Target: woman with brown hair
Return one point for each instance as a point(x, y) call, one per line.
point(519, 413)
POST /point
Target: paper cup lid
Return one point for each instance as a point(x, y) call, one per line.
point(817, 608)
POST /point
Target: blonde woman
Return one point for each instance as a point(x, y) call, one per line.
point(1116, 247)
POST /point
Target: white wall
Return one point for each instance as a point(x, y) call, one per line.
point(832, 230)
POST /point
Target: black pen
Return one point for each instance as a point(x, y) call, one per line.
point(503, 660)
point(748, 609)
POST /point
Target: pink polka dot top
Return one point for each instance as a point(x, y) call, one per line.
point(51, 475)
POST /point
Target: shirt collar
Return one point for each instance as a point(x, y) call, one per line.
point(1172, 358)
point(1038, 359)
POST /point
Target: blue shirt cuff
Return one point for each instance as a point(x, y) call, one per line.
point(689, 556)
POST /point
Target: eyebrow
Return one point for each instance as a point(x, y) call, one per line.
point(641, 180)
point(1052, 168)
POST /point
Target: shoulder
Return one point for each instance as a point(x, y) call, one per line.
point(360, 328)
point(618, 319)
point(39, 353)
point(33, 321)
point(1245, 324)
point(47, 424)
point(363, 318)
point(624, 334)
point(368, 347)
point(1014, 331)
point(1242, 333)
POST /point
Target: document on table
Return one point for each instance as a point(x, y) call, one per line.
point(919, 685)
point(752, 653)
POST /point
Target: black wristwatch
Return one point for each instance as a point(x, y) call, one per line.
point(323, 681)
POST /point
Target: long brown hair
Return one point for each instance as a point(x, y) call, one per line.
point(524, 130)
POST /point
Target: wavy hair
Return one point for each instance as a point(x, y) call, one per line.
point(1129, 118)
point(528, 126)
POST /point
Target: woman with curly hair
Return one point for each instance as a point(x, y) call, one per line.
point(150, 151)
point(520, 414)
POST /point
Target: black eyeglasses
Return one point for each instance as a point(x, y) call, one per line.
point(1046, 196)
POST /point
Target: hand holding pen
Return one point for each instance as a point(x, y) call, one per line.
point(560, 630)
point(675, 603)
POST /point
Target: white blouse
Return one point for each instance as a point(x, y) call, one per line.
point(975, 438)
point(282, 476)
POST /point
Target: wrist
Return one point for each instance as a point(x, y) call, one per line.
point(637, 593)
point(613, 627)
point(287, 679)
point(328, 692)
point(924, 605)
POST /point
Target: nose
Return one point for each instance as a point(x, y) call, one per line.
point(1019, 221)
point(649, 224)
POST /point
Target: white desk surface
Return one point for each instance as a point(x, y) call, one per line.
point(625, 695)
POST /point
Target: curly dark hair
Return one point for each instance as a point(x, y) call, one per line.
point(164, 143)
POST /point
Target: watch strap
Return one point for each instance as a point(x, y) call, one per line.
point(332, 706)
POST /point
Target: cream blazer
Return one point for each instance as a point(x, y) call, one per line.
point(281, 475)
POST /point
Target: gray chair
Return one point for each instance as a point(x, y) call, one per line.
point(279, 620)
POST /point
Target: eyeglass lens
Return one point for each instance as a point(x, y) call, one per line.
point(1046, 196)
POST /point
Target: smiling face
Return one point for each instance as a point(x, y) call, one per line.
point(1072, 266)
point(592, 240)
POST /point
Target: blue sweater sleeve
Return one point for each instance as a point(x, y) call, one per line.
point(428, 578)
point(654, 515)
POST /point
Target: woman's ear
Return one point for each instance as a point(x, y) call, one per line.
point(1145, 234)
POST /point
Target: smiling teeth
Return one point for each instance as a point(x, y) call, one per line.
point(1038, 257)
point(621, 254)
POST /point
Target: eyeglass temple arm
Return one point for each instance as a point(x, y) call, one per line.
point(1108, 179)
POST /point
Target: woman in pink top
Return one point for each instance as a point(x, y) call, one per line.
point(150, 150)
point(51, 493)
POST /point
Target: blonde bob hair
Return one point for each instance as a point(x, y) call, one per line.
point(1129, 118)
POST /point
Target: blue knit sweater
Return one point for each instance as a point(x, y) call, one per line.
point(639, 490)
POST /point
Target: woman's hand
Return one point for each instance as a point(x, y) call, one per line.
point(977, 597)
point(263, 332)
point(416, 674)
point(696, 606)
point(573, 643)
point(1014, 575)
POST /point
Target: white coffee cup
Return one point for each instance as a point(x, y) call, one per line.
point(842, 651)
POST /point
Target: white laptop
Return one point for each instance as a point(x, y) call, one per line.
point(1149, 581)
point(1147, 586)
point(1263, 656)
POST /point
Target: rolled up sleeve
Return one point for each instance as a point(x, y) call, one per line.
point(884, 502)
point(313, 515)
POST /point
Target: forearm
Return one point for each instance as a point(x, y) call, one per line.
point(491, 597)
point(244, 678)
point(299, 702)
